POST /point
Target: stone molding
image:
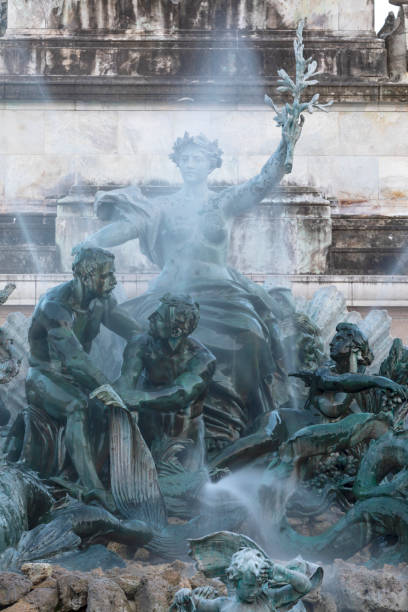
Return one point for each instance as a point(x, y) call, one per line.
point(217, 58)
point(189, 94)
point(359, 291)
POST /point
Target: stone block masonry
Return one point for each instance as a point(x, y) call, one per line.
point(94, 93)
point(356, 154)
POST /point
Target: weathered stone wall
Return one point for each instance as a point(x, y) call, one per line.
point(357, 154)
point(186, 39)
point(369, 244)
point(224, 58)
point(159, 15)
point(289, 232)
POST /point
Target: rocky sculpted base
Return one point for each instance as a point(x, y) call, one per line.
point(143, 587)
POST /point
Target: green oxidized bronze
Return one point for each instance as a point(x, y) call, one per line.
point(62, 375)
point(379, 516)
point(255, 582)
point(10, 362)
point(337, 392)
point(165, 377)
point(380, 503)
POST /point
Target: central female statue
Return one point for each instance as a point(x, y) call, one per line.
point(187, 235)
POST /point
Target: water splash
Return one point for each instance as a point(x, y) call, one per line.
point(242, 492)
point(28, 241)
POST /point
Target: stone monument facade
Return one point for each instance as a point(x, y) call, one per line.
point(94, 94)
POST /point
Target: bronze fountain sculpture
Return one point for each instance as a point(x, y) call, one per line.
point(187, 235)
point(198, 395)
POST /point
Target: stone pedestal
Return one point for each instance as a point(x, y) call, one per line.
point(27, 244)
point(289, 233)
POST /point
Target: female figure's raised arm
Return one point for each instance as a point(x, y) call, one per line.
point(290, 118)
point(239, 199)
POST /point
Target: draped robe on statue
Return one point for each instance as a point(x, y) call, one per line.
point(236, 323)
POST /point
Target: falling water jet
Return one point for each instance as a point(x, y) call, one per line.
point(29, 242)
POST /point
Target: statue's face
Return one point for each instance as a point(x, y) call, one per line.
point(248, 588)
point(341, 345)
point(169, 323)
point(103, 281)
point(194, 164)
point(158, 324)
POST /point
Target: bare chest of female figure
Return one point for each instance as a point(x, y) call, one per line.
point(194, 239)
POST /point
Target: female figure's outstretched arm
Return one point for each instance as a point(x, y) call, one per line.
point(127, 209)
point(111, 235)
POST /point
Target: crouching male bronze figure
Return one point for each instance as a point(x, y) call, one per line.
point(62, 374)
point(165, 376)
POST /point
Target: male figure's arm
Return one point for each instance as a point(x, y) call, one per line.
point(355, 383)
point(132, 367)
point(117, 320)
point(185, 389)
point(195, 380)
point(298, 585)
point(65, 347)
point(210, 605)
